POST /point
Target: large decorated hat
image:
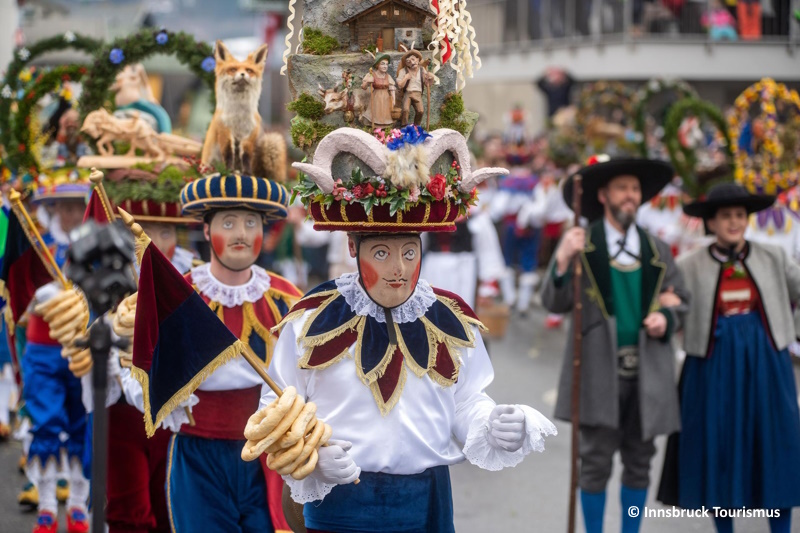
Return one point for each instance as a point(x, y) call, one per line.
point(653, 176)
point(63, 184)
point(148, 195)
point(408, 181)
point(234, 191)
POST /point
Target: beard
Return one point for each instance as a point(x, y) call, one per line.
point(623, 218)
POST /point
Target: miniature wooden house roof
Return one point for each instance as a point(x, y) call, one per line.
point(358, 9)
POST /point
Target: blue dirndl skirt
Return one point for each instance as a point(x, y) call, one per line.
point(418, 503)
point(740, 437)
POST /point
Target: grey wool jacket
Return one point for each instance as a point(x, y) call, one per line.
point(599, 397)
point(776, 276)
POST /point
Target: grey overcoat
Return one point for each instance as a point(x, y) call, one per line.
point(658, 393)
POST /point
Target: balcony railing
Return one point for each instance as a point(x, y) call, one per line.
point(520, 24)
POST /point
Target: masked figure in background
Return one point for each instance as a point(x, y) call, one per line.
point(415, 402)
point(52, 394)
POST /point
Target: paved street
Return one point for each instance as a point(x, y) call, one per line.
point(531, 497)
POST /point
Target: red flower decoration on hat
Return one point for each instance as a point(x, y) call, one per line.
point(597, 158)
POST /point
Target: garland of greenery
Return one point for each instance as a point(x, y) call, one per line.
point(642, 97)
point(112, 58)
point(166, 188)
point(600, 94)
point(21, 155)
point(23, 56)
point(684, 159)
point(771, 170)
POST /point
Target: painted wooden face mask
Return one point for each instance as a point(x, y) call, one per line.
point(236, 237)
point(389, 267)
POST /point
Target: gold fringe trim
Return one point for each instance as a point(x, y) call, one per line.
point(410, 361)
point(186, 391)
point(292, 315)
point(357, 323)
point(385, 408)
point(7, 314)
point(380, 369)
point(141, 244)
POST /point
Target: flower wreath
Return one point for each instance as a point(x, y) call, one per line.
point(370, 191)
point(683, 158)
point(643, 96)
point(603, 94)
point(112, 58)
point(18, 74)
point(764, 171)
point(22, 150)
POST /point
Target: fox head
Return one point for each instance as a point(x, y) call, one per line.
point(234, 76)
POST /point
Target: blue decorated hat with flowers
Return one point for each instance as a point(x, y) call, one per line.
point(62, 184)
point(234, 191)
point(406, 181)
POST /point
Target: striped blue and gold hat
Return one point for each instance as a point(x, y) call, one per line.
point(234, 191)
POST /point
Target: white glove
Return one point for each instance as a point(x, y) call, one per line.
point(47, 292)
point(335, 466)
point(178, 417)
point(506, 428)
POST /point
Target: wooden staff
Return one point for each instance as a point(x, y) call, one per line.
point(577, 271)
point(36, 240)
point(96, 177)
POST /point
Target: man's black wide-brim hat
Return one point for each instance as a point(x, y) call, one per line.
point(728, 195)
point(653, 176)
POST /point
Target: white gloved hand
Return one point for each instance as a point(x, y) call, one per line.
point(47, 292)
point(506, 428)
point(178, 417)
point(335, 466)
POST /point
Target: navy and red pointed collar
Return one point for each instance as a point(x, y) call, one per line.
point(428, 345)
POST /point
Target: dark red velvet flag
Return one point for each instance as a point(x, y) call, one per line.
point(95, 210)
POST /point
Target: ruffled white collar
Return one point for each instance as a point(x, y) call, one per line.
point(227, 295)
point(361, 304)
point(59, 235)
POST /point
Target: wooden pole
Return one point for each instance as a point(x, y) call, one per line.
point(577, 271)
point(36, 239)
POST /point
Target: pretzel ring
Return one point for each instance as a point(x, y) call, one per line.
point(306, 469)
point(283, 458)
point(251, 451)
point(301, 424)
point(285, 422)
point(262, 422)
point(308, 448)
point(80, 366)
point(326, 435)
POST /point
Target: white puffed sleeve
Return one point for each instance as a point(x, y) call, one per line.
point(283, 369)
point(473, 407)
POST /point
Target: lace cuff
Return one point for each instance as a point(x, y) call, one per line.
point(479, 452)
point(308, 489)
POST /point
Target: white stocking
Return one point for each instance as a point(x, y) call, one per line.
point(78, 486)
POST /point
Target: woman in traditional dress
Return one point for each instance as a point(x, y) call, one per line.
point(383, 87)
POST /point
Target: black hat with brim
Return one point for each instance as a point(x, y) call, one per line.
point(653, 176)
point(728, 195)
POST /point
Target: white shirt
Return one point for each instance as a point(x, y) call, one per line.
point(633, 244)
point(429, 426)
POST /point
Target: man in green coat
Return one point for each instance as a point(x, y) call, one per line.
point(627, 393)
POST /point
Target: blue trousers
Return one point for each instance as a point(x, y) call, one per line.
point(52, 397)
point(522, 249)
point(211, 489)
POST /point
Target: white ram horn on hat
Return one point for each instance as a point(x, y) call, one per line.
point(357, 142)
point(446, 140)
point(471, 181)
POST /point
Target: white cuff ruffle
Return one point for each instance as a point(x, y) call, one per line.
point(479, 452)
point(308, 489)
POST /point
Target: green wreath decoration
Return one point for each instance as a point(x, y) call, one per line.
point(603, 94)
point(23, 56)
point(112, 58)
point(20, 153)
point(684, 159)
point(642, 97)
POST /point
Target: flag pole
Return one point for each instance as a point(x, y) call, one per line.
point(35, 239)
point(577, 272)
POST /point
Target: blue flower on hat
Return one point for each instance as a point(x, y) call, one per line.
point(116, 56)
point(208, 64)
point(411, 134)
point(162, 37)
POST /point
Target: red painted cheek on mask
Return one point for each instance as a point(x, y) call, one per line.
point(415, 277)
point(257, 245)
point(218, 244)
point(368, 275)
point(170, 252)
